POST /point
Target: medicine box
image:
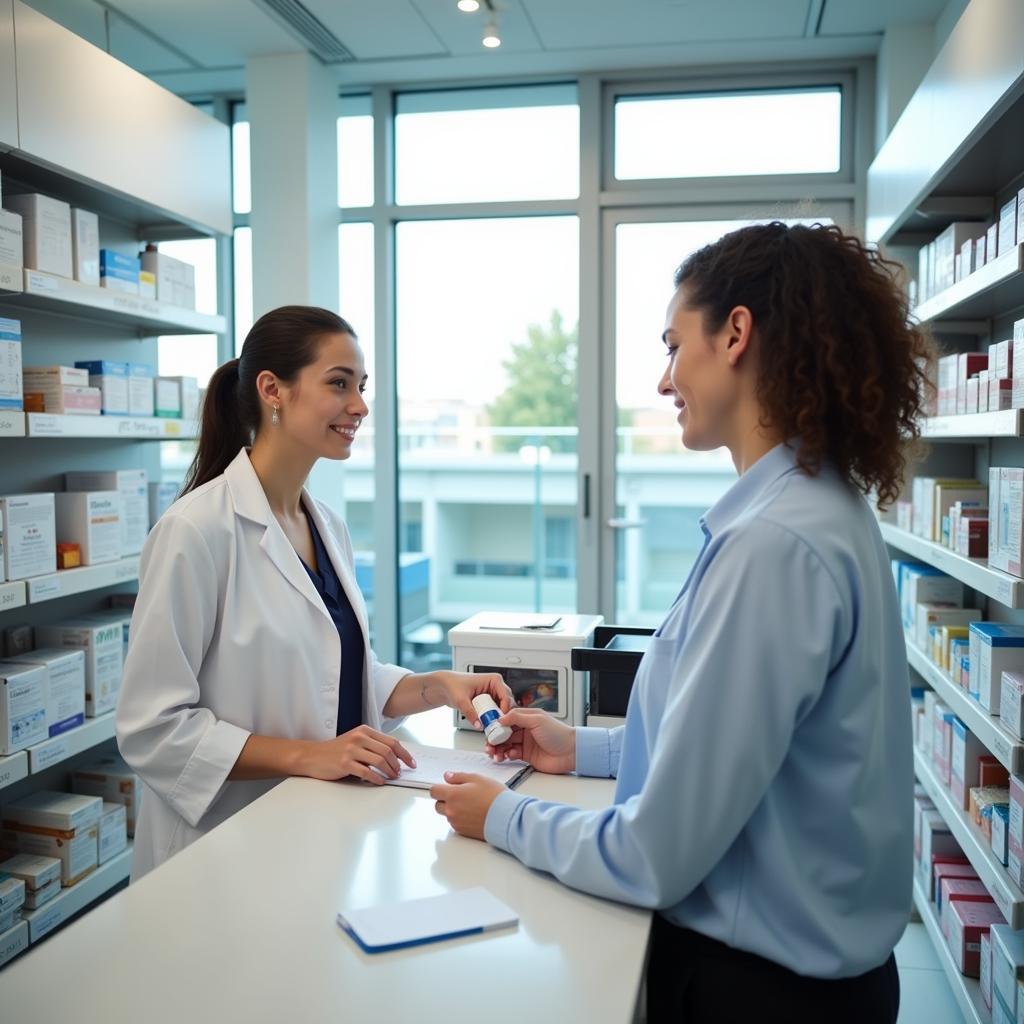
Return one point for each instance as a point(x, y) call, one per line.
point(1007, 963)
point(113, 833)
point(992, 242)
point(11, 383)
point(22, 706)
point(1008, 226)
point(12, 894)
point(112, 380)
point(161, 497)
point(936, 839)
point(35, 872)
point(1000, 832)
point(54, 811)
point(942, 741)
point(122, 618)
point(1011, 702)
point(64, 390)
point(995, 648)
point(104, 657)
point(168, 397)
point(111, 779)
point(147, 284)
point(967, 923)
point(119, 272)
point(967, 749)
point(985, 970)
point(931, 615)
point(1006, 541)
point(46, 229)
point(77, 855)
point(85, 244)
point(140, 389)
point(91, 519)
point(65, 686)
point(189, 394)
point(37, 898)
point(131, 486)
point(952, 890)
point(29, 536)
point(921, 804)
point(924, 585)
point(12, 244)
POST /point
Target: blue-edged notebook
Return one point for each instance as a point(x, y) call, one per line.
point(432, 919)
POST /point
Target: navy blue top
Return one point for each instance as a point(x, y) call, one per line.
point(353, 650)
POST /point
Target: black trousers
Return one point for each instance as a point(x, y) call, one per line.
point(692, 979)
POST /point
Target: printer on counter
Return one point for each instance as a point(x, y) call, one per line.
point(612, 664)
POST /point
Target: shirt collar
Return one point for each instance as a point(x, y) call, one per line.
point(772, 466)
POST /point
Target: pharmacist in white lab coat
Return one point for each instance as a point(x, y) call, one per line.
point(249, 658)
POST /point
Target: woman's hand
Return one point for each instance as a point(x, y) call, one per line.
point(459, 688)
point(361, 752)
point(539, 739)
point(464, 799)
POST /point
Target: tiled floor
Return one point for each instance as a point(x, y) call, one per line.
point(925, 996)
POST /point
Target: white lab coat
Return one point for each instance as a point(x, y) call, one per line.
point(229, 637)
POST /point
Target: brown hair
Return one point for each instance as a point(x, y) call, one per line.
point(839, 365)
point(282, 341)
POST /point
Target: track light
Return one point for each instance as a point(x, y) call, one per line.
point(468, 6)
point(491, 38)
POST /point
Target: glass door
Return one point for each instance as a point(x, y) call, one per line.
point(655, 490)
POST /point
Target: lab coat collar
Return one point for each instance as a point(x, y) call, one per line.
point(250, 501)
point(772, 466)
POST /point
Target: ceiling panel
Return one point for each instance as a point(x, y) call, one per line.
point(571, 24)
point(842, 16)
point(380, 29)
point(83, 17)
point(462, 32)
point(214, 33)
point(141, 51)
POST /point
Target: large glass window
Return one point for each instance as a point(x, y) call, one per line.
point(485, 145)
point(355, 152)
point(487, 347)
point(795, 131)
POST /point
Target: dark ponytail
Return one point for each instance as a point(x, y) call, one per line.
point(282, 341)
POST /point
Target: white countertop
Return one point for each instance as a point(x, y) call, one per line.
point(241, 925)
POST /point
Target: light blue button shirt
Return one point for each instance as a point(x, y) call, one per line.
point(765, 770)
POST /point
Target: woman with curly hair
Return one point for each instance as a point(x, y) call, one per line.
point(764, 772)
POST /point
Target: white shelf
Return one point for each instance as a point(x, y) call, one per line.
point(81, 580)
point(13, 768)
point(12, 595)
point(89, 734)
point(966, 991)
point(13, 942)
point(989, 729)
point(978, 851)
point(12, 423)
point(975, 426)
point(70, 901)
point(136, 428)
point(973, 572)
point(55, 294)
point(990, 291)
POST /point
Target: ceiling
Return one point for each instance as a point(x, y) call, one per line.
point(199, 46)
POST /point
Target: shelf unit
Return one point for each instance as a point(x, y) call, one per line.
point(972, 572)
point(81, 580)
point(997, 286)
point(975, 426)
point(966, 991)
point(988, 728)
point(13, 942)
point(53, 751)
point(70, 901)
point(1008, 897)
point(61, 296)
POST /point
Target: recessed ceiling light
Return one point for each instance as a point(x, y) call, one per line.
point(469, 6)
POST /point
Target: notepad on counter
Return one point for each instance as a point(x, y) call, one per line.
point(520, 620)
point(433, 762)
point(431, 919)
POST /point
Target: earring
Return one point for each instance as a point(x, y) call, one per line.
point(274, 417)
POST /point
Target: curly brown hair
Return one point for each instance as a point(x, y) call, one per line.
point(839, 364)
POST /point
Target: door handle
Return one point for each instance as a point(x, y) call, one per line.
point(626, 524)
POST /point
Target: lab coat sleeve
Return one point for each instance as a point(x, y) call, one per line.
point(178, 748)
point(766, 628)
point(384, 677)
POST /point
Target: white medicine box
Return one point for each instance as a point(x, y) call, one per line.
point(132, 487)
point(161, 497)
point(12, 248)
point(22, 706)
point(91, 519)
point(46, 229)
point(168, 397)
point(532, 653)
point(85, 242)
point(140, 389)
point(29, 535)
point(12, 378)
point(995, 648)
point(65, 688)
point(104, 657)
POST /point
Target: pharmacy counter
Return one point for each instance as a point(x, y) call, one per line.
point(241, 925)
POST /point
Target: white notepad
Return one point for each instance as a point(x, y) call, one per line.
point(432, 919)
point(433, 762)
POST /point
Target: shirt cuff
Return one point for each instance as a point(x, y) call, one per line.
point(498, 822)
point(593, 752)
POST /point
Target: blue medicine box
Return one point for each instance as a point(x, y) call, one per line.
point(114, 264)
point(103, 368)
